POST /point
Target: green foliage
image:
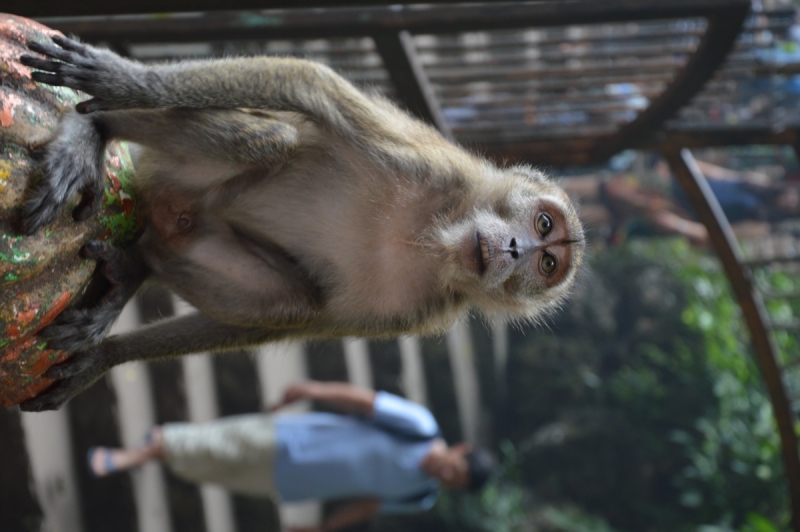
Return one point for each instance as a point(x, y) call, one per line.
point(642, 402)
point(735, 466)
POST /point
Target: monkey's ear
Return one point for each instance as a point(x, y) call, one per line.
point(530, 173)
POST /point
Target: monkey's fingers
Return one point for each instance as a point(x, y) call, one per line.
point(67, 51)
point(61, 67)
point(56, 80)
point(62, 391)
point(72, 44)
point(91, 201)
point(90, 106)
point(41, 64)
point(67, 76)
point(44, 205)
point(77, 329)
point(52, 398)
point(84, 363)
point(38, 211)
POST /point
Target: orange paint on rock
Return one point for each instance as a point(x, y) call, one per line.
point(6, 117)
point(8, 102)
point(10, 56)
point(60, 305)
point(14, 351)
point(12, 331)
point(41, 365)
point(15, 28)
point(26, 317)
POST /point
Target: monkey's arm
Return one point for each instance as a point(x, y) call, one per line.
point(284, 84)
point(193, 333)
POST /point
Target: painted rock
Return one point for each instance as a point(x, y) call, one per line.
point(42, 274)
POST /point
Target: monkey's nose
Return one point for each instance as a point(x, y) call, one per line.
point(517, 247)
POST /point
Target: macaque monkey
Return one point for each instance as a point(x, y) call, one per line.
point(282, 202)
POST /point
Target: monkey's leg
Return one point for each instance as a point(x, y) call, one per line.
point(77, 329)
point(233, 279)
point(73, 163)
point(193, 333)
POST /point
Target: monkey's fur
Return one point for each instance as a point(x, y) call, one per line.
point(282, 202)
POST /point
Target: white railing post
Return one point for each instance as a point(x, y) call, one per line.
point(136, 415)
point(49, 446)
point(201, 402)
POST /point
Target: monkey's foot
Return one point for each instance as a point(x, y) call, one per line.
point(77, 329)
point(75, 375)
point(73, 163)
point(112, 80)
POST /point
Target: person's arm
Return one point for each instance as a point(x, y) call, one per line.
point(339, 395)
point(349, 514)
point(382, 407)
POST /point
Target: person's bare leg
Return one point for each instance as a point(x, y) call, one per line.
point(672, 223)
point(106, 460)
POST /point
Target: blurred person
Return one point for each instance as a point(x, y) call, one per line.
point(749, 200)
point(382, 451)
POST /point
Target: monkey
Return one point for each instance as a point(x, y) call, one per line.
point(284, 203)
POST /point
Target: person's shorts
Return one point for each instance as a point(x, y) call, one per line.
point(234, 452)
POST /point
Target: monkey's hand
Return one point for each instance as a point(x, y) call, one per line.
point(80, 329)
point(73, 376)
point(114, 82)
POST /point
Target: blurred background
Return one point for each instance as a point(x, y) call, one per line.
point(639, 406)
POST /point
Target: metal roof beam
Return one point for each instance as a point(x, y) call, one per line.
point(711, 52)
point(340, 22)
point(411, 83)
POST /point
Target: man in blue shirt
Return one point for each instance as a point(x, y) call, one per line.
point(383, 451)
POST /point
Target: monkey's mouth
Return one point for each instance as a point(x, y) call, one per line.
point(483, 253)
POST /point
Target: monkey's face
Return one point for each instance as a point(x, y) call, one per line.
point(520, 253)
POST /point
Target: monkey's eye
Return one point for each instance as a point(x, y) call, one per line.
point(544, 224)
point(548, 264)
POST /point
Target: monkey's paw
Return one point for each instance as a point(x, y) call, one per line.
point(74, 376)
point(73, 163)
point(112, 80)
point(78, 329)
